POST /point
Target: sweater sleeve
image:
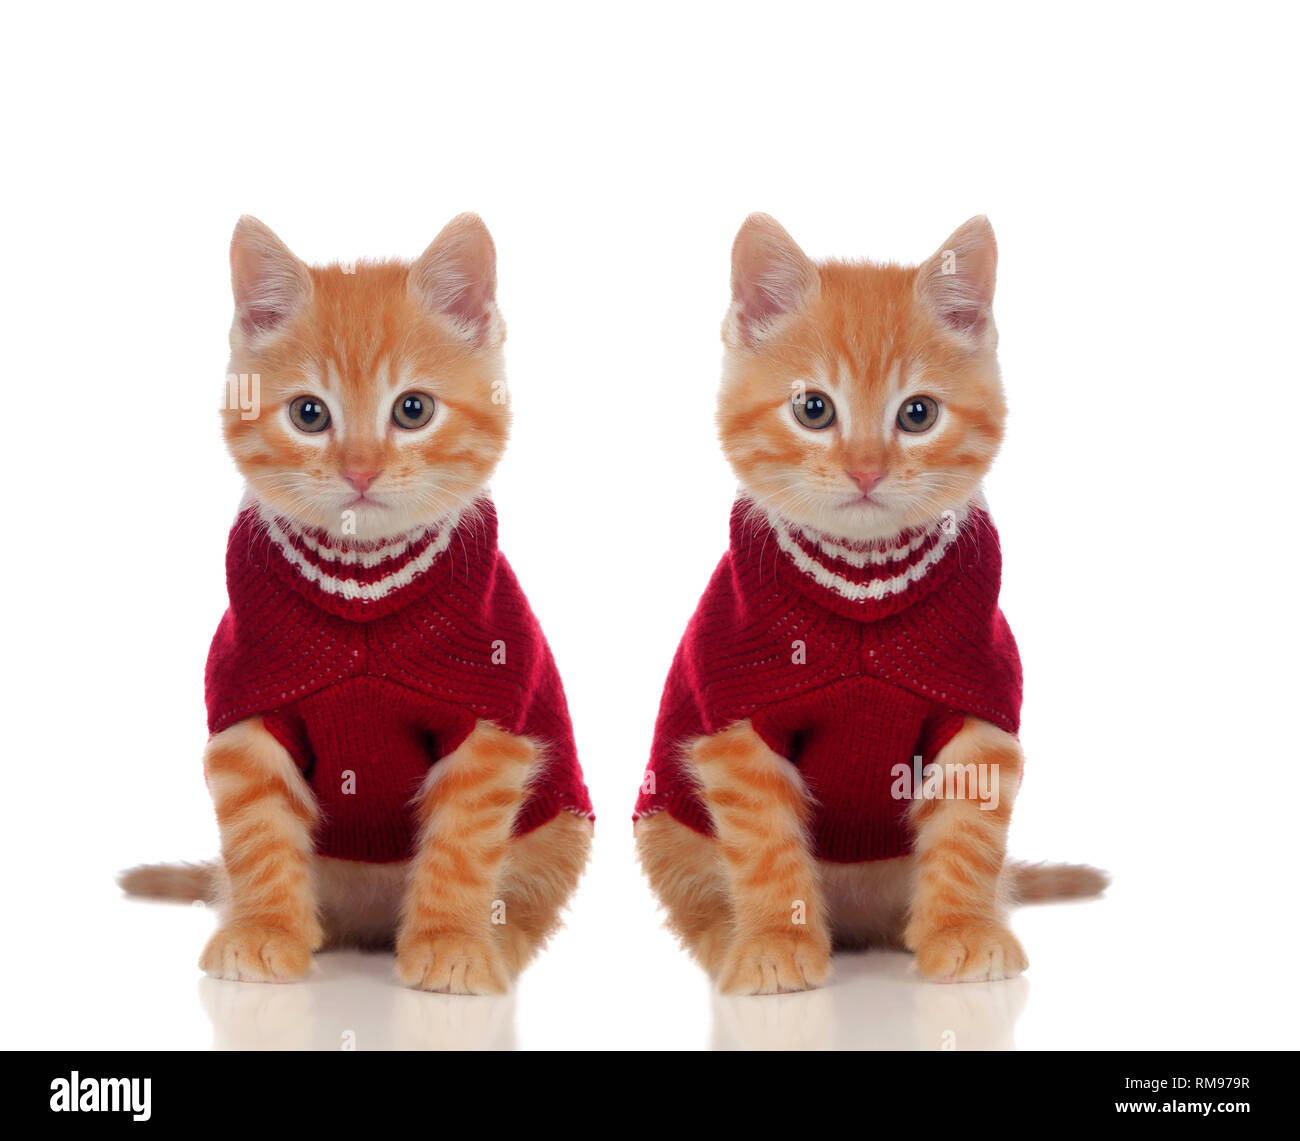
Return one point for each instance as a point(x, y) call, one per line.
point(542, 709)
point(666, 783)
point(560, 785)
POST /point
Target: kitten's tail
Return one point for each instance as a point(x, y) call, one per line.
point(1038, 883)
point(188, 883)
point(1029, 883)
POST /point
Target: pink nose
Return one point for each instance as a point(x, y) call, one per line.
point(361, 480)
point(867, 481)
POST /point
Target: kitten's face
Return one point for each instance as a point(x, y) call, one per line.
point(382, 403)
point(860, 399)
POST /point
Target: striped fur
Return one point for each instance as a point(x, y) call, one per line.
point(445, 940)
point(778, 938)
point(357, 338)
point(956, 924)
point(265, 814)
point(474, 904)
point(868, 336)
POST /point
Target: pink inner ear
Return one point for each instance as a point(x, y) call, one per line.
point(456, 276)
point(255, 318)
point(770, 276)
point(960, 300)
point(767, 284)
point(466, 300)
point(470, 305)
point(760, 303)
point(958, 281)
point(268, 281)
point(965, 320)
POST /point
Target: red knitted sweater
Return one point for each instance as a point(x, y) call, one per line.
point(370, 662)
point(847, 660)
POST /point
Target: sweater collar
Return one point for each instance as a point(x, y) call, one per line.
point(365, 579)
point(860, 580)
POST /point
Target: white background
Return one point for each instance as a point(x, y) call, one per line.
point(1137, 163)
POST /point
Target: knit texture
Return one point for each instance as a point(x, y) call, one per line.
point(848, 660)
point(370, 662)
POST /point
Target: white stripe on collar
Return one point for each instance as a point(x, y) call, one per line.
point(869, 554)
point(359, 555)
point(350, 588)
point(874, 555)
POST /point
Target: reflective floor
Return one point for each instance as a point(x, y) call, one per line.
point(352, 1002)
point(1127, 971)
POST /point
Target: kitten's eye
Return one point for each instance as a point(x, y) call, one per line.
point(309, 414)
point(814, 410)
point(918, 414)
point(413, 410)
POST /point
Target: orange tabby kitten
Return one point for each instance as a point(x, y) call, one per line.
point(836, 760)
point(391, 759)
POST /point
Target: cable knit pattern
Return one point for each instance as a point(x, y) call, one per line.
point(376, 660)
point(849, 660)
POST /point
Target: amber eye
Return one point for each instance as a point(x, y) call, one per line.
point(918, 414)
point(813, 410)
point(309, 414)
point(413, 410)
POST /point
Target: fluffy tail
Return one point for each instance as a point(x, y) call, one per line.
point(1037, 883)
point(185, 882)
point(1029, 883)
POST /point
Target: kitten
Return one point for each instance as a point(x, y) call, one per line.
point(391, 757)
point(835, 759)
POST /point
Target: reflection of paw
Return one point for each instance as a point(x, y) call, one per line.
point(970, 954)
point(451, 963)
point(249, 952)
point(803, 1021)
point(975, 1016)
point(261, 1017)
point(424, 1021)
point(773, 963)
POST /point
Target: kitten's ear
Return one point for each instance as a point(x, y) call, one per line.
point(456, 278)
point(269, 282)
point(771, 277)
point(957, 282)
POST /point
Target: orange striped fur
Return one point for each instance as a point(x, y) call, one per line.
point(474, 904)
point(446, 939)
point(358, 337)
point(265, 815)
point(868, 336)
point(956, 925)
point(779, 938)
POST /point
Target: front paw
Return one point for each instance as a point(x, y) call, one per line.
point(452, 963)
point(970, 954)
point(775, 963)
point(251, 952)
